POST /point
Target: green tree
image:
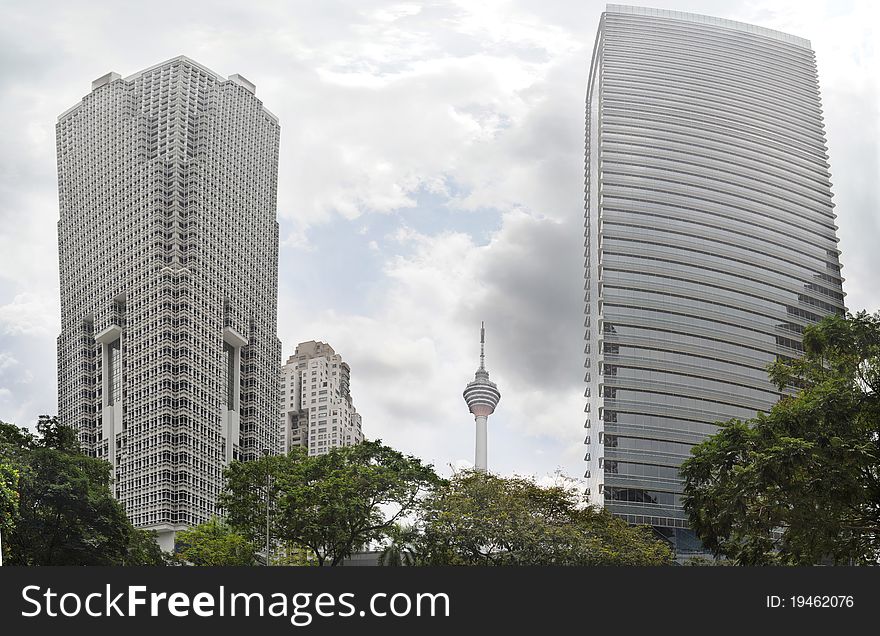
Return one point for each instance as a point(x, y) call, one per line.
point(401, 547)
point(67, 514)
point(143, 549)
point(703, 561)
point(15, 442)
point(247, 487)
point(288, 553)
point(801, 484)
point(337, 503)
point(8, 501)
point(330, 505)
point(483, 519)
point(55, 435)
point(214, 543)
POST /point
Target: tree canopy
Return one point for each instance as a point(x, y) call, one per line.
point(247, 486)
point(484, 519)
point(66, 512)
point(8, 498)
point(143, 549)
point(331, 505)
point(801, 484)
point(337, 503)
point(401, 546)
point(214, 543)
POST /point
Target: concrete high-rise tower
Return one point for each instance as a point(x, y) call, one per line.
point(316, 406)
point(710, 242)
point(482, 396)
point(168, 355)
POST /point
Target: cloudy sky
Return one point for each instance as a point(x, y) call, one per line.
point(431, 176)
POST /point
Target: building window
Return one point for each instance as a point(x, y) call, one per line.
point(114, 372)
point(229, 371)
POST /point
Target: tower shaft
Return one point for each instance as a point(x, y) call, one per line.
point(481, 459)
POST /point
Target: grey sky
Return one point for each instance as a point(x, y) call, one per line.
point(431, 177)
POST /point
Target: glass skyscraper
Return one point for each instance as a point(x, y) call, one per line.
point(168, 355)
point(710, 242)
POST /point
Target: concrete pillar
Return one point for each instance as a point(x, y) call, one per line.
point(481, 459)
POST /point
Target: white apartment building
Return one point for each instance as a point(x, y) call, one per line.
point(168, 246)
point(316, 407)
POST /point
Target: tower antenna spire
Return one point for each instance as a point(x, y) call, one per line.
point(482, 345)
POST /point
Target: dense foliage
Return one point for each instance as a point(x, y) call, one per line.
point(484, 519)
point(8, 498)
point(214, 543)
point(65, 513)
point(330, 505)
point(800, 484)
point(249, 485)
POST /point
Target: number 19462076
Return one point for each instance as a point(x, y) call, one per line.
point(815, 601)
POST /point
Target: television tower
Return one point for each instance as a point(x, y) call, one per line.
point(482, 396)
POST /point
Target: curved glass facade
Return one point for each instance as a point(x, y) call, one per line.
point(710, 241)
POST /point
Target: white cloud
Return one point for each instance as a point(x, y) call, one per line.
point(479, 105)
point(30, 314)
point(7, 360)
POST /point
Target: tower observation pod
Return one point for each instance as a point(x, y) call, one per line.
point(481, 396)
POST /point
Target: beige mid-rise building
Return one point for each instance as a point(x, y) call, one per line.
point(316, 407)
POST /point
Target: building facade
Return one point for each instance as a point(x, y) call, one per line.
point(168, 243)
point(317, 411)
point(710, 242)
